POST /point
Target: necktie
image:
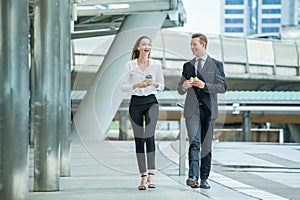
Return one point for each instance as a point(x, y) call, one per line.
point(199, 66)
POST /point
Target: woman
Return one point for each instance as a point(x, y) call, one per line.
point(143, 79)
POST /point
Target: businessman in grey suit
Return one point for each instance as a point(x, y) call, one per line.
point(202, 78)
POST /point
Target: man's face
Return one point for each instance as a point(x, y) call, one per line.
point(197, 48)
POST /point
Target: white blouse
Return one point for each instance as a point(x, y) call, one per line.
point(134, 75)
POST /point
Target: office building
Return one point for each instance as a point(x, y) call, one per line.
point(264, 17)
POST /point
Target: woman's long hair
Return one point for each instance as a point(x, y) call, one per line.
point(135, 52)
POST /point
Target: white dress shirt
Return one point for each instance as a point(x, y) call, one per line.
point(133, 75)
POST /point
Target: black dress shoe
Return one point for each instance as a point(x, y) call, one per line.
point(204, 184)
point(192, 182)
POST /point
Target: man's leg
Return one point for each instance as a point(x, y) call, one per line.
point(193, 128)
point(206, 152)
point(206, 148)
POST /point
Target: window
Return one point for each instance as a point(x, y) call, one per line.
point(234, 30)
point(232, 11)
point(271, 21)
point(271, 11)
point(234, 2)
point(271, 2)
point(270, 30)
point(234, 21)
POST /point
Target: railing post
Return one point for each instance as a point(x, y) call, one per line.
point(123, 129)
point(246, 126)
point(182, 146)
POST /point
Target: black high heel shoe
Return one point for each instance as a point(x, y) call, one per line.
point(142, 187)
point(150, 185)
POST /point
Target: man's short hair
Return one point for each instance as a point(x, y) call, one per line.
point(202, 38)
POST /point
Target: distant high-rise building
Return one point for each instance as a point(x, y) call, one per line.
point(298, 12)
point(248, 17)
point(290, 12)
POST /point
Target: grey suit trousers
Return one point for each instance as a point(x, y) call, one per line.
point(200, 133)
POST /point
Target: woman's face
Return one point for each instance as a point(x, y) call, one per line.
point(144, 47)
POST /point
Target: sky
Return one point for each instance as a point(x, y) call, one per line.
point(202, 16)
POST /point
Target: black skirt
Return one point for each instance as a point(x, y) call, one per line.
point(139, 100)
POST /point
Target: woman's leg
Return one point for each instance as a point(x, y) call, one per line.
point(140, 154)
point(150, 145)
point(136, 118)
point(151, 121)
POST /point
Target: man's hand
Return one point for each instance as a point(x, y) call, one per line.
point(198, 83)
point(187, 84)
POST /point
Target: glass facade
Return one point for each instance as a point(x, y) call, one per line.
point(234, 20)
point(247, 17)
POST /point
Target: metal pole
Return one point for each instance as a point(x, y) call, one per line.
point(31, 111)
point(45, 88)
point(14, 99)
point(246, 126)
point(182, 146)
point(123, 129)
point(65, 67)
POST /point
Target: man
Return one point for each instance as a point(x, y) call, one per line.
point(202, 78)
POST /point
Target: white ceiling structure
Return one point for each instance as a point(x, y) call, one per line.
point(102, 17)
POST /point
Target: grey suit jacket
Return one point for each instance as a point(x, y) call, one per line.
point(215, 82)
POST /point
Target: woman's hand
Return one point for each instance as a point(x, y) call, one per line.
point(151, 82)
point(155, 84)
point(145, 83)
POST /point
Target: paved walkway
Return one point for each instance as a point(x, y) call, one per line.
point(240, 171)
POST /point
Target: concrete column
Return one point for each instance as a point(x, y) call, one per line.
point(45, 89)
point(65, 102)
point(123, 128)
point(246, 126)
point(104, 97)
point(14, 99)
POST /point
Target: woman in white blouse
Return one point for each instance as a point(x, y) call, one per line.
point(143, 78)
